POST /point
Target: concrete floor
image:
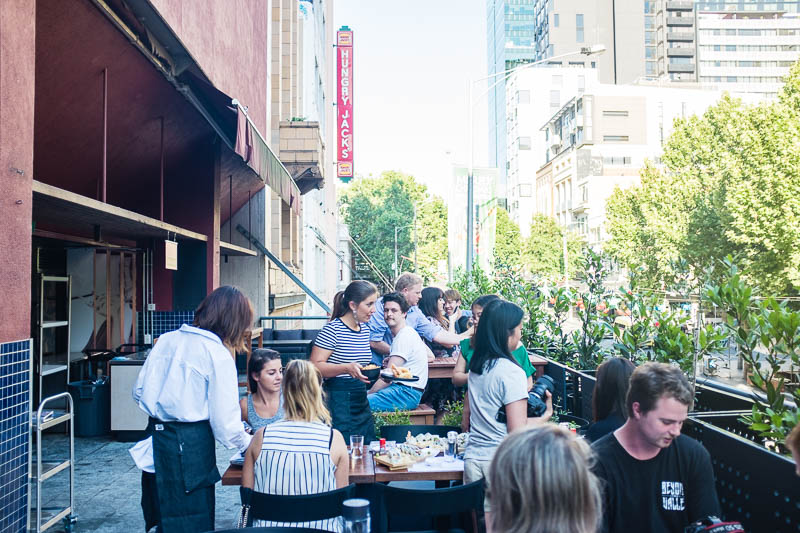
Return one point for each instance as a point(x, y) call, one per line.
point(108, 486)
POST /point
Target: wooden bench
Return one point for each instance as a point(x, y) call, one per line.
point(422, 415)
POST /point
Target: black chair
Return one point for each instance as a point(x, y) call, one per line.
point(303, 508)
point(398, 433)
point(443, 503)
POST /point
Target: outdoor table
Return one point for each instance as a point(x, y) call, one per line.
point(366, 471)
point(442, 367)
point(289, 343)
point(361, 471)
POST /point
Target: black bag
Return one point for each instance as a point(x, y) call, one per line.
point(244, 512)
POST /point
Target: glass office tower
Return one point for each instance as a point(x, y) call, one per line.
point(511, 40)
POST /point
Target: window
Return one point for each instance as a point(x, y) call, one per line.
point(558, 80)
point(615, 138)
point(581, 83)
point(730, 47)
point(579, 28)
point(555, 98)
point(617, 161)
point(610, 113)
point(525, 190)
point(524, 143)
point(523, 97)
point(555, 20)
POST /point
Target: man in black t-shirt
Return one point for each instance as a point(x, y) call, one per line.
point(655, 479)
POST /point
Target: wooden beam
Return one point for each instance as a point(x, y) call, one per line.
point(103, 210)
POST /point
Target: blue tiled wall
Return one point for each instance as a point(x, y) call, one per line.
point(164, 321)
point(15, 360)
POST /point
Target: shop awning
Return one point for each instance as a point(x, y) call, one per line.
point(254, 150)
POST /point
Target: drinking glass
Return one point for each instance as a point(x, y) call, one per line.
point(450, 447)
point(356, 446)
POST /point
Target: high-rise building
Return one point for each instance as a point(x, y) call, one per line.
point(747, 52)
point(510, 42)
point(670, 39)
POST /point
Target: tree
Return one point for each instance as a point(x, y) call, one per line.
point(543, 252)
point(507, 242)
point(373, 207)
point(730, 186)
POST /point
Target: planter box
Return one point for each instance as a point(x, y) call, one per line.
point(754, 485)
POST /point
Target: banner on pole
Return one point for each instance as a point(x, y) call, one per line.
point(344, 103)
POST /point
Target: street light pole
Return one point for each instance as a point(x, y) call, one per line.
point(395, 251)
point(586, 50)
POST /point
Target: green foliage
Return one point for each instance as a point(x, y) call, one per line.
point(587, 339)
point(758, 325)
point(543, 252)
point(454, 412)
point(507, 245)
point(373, 207)
point(731, 185)
point(471, 284)
point(390, 418)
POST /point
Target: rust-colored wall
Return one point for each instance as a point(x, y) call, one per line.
point(17, 68)
point(229, 41)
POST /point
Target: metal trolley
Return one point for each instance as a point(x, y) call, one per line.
point(43, 518)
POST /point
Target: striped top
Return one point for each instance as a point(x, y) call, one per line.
point(295, 459)
point(348, 346)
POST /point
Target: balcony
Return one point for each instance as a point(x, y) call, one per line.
point(680, 21)
point(301, 153)
point(679, 5)
point(681, 36)
point(681, 51)
point(674, 67)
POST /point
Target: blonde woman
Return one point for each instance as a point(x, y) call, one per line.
point(541, 482)
point(301, 454)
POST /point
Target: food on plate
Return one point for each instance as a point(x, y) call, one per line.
point(401, 372)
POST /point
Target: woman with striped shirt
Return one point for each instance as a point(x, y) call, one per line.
point(339, 352)
point(301, 454)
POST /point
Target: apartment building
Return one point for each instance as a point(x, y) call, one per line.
point(600, 140)
point(532, 96)
point(747, 52)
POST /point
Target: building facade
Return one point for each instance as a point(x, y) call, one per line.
point(510, 42)
point(533, 95)
point(601, 140)
point(747, 52)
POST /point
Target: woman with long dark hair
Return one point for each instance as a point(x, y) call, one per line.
point(432, 306)
point(340, 350)
point(189, 388)
point(264, 404)
point(608, 399)
point(496, 381)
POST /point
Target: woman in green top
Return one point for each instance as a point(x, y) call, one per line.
point(460, 372)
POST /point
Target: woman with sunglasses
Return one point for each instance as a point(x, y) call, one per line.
point(264, 404)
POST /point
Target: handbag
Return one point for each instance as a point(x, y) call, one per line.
point(243, 520)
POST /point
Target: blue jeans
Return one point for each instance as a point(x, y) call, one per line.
point(395, 396)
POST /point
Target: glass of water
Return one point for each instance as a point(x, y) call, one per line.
point(450, 446)
point(356, 446)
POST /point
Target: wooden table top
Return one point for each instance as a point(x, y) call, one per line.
point(364, 471)
point(442, 367)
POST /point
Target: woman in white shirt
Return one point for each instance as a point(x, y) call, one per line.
point(301, 454)
point(496, 380)
point(189, 388)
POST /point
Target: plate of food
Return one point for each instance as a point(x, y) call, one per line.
point(398, 373)
point(400, 457)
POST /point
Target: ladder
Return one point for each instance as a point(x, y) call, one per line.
point(43, 518)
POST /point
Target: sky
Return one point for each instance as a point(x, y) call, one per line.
point(411, 64)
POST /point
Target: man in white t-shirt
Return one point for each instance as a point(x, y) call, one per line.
point(407, 350)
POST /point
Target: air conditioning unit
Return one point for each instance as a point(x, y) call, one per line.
point(579, 121)
point(555, 141)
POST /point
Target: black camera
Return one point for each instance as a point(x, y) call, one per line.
point(537, 399)
point(712, 524)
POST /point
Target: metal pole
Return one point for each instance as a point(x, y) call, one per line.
point(105, 135)
point(566, 267)
point(470, 179)
point(416, 268)
point(395, 253)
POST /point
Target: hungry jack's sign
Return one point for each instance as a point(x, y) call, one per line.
point(344, 103)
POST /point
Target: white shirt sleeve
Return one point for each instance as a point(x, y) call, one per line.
point(224, 413)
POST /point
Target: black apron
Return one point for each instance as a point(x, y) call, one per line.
point(180, 495)
point(350, 413)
